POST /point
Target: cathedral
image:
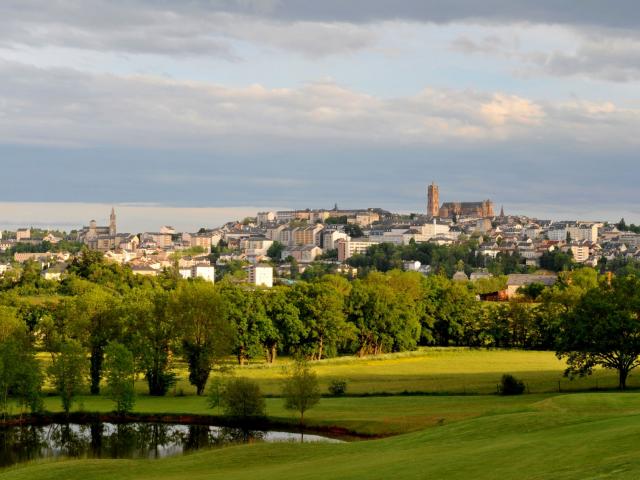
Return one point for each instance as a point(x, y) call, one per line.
point(483, 209)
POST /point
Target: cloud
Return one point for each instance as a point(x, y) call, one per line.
point(66, 107)
point(327, 27)
point(611, 58)
point(173, 29)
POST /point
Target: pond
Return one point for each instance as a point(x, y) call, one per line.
point(127, 440)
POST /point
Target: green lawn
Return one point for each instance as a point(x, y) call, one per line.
point(434, 370)
point(567, 436)
point(429, 370)
point(536, 436)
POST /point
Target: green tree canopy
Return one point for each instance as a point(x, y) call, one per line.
point(603, 330)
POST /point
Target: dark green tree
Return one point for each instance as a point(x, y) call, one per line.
point(242, 399)
point(205, 331)
point(151, 332)
point(275, 251)
point(603, 330)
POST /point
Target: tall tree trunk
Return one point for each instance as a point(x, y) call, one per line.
point(623, 373)
point(97, 356)
point(274, 353)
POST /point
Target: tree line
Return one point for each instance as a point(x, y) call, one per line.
point(111, 324)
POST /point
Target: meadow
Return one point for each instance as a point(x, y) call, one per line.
point(430, 370)
point(471, 434)
point(560, 436)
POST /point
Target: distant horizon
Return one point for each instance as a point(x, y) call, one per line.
point(241, 103)
point(137, 218)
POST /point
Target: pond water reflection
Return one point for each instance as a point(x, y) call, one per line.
point(127, 440)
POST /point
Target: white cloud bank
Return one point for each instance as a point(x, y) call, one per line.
point(68, 108)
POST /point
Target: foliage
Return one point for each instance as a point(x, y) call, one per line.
point(20, 373)
point(301, 390)
point(557, 260)
point(241, 399)
point(338, 387)
point(246, 315)
point(120, 376)
point(275, 251)
point(531, 291)
point(205, 331)
point(67, 372)
point(510, 385)
point(603, 330)
point(150, 332)
point(353, 230)
point(623, 227)
point(321, 306)
point(383, 316)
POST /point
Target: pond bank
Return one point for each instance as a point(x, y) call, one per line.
point(46, 418)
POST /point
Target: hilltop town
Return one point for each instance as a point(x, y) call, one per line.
point(279, 246)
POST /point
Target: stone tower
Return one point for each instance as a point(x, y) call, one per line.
point(433, 203)
point(112, 223)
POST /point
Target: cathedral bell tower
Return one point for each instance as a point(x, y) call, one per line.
point(112, 223)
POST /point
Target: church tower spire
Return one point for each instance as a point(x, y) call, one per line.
point(112, 223)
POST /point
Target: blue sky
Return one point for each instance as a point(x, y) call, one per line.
point(285, 103)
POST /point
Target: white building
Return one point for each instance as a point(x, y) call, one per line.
point(207, 272)
point(261, 275)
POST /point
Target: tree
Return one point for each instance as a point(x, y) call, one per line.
point(321, 307)
point(19, 369)
point(383, 318)
point(206, 334)
point(353, 230)
point(151, 333)
point(301, 389)
point(242, 399)
point(245, 313)
point(275, 251)
point(120, 376)
point(603, 330)
point(557, 260)
point(91, 318)
point(67, 372)
point(289, 330)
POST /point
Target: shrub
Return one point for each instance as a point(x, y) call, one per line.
point(242, 399)
point(338, 387)
point(510, 385)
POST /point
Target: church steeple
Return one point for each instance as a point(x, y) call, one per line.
point(112, 223)
point(501, 211)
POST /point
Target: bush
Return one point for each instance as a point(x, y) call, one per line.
point(242, 399)
point(510, 385)
point(338, 387)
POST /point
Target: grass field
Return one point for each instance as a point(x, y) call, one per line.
point(433, 370)
point(535, 436)
point(559, 436)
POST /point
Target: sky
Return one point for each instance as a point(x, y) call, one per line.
point(196, 111)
